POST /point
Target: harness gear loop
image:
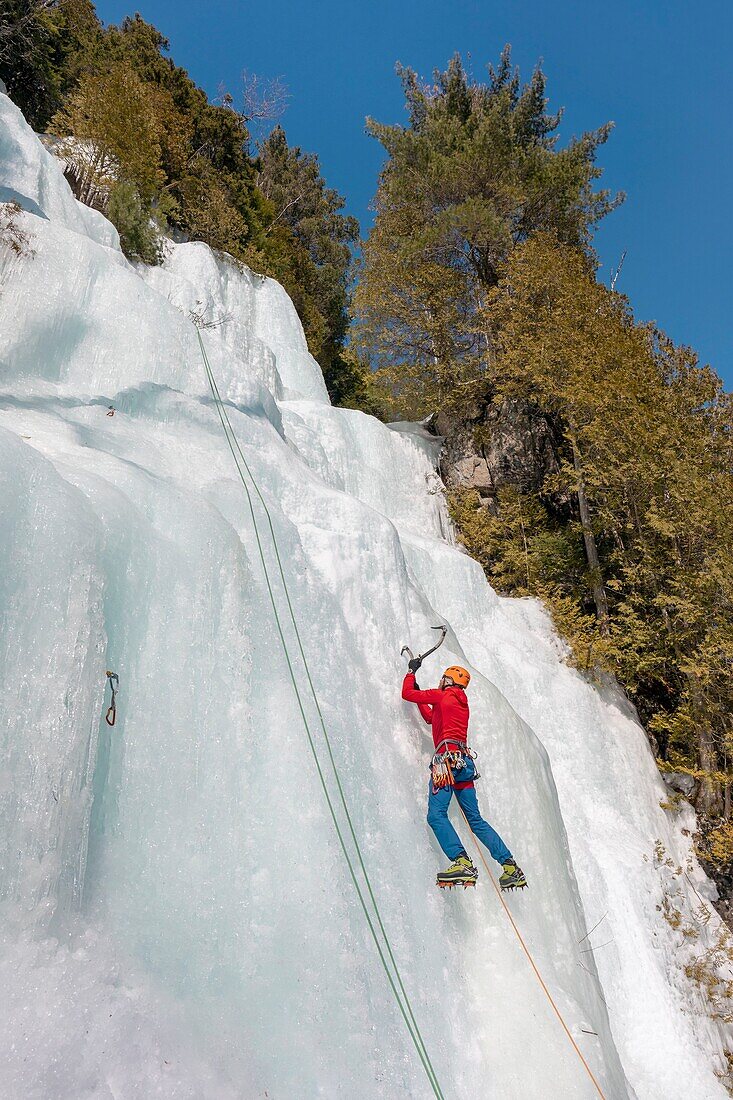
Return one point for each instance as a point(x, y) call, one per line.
point(111, 715)
point(445, 763)
point(442, 768)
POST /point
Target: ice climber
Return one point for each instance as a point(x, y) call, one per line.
point(445, 709)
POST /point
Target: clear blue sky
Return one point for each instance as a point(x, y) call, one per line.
point(660, 69)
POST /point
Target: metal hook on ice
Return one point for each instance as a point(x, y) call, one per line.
point(114, 685)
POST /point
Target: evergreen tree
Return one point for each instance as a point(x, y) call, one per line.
point(474, 174)
point(139, 238)
point(291, 180)
point(112, 133)
point(27, 55)
point(637, 570)
point(210, 191)
point(41, 44)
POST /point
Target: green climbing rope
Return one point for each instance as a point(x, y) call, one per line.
point(394, 979)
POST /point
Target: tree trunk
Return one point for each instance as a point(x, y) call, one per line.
point(429, 321)
point(709, 798)
point(591, 550)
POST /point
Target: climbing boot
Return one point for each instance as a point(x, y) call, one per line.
point(513, 877)
point(460, 873)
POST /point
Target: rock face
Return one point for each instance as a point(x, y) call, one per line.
point(496, 443)
point(682, 783)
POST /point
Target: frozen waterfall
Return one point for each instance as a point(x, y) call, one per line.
point(177, 916)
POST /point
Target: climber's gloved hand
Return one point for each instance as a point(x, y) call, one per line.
point(414, 664)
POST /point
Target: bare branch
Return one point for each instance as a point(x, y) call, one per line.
point(287, 207)
point(264, 99)
point(617, 272)
point(585, 937)
point(12, 31)
point(198, 316)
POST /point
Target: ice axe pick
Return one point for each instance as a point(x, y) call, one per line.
point(421, 656)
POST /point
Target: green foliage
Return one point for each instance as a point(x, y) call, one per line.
point(144, 143)
point(139, 237)
point(718, 844)
point(526, 551)
point(302, 203)
point(41, 42)
point(351, 383)
point(504, 539)
point(27, 57)
point(475, 173)
point(111, 133)
point(111, 140)
point(13, 236)
point(644, 458)
point(208, 189)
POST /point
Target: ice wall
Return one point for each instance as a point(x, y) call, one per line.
point(178, 918)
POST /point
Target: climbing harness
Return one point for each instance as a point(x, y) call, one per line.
point(446, 762)
point(374, 920)
point(114, 686)
point(442, 767)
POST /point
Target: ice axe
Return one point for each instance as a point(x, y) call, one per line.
point(421, 656)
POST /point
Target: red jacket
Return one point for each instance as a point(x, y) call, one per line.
point(445, 711)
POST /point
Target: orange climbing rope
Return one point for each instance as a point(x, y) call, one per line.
point(533, 964)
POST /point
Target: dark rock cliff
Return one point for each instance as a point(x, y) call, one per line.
point(495, 443)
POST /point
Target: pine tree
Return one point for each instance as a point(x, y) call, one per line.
point(44, 46)
point(645, 437)
point(474, 174)
point(292, 182)
point(139, 238)
point(111, 133)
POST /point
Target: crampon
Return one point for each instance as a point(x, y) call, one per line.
point(512, 878)
point(460, 873)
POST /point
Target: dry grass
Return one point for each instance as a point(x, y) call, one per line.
point(709, 967)
point(12, 235)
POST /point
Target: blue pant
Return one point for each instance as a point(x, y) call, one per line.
point(446, 835)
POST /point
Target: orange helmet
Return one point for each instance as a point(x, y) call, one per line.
point(458, 675)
